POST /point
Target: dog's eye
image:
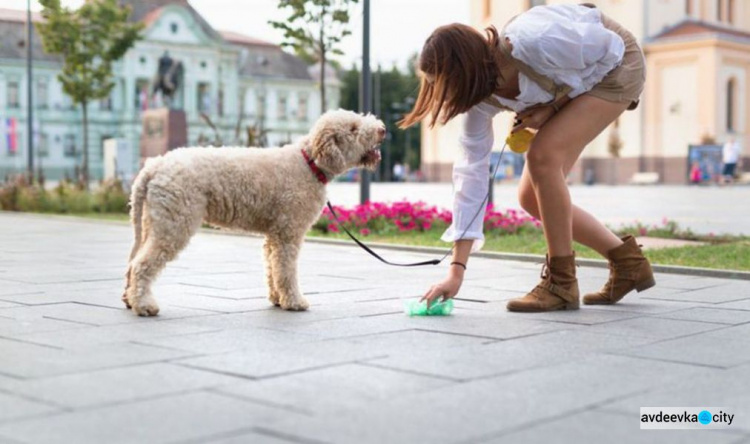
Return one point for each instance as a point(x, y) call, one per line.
point(354, 128)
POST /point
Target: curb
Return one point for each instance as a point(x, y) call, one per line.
point(535, 258)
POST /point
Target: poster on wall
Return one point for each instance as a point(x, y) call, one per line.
point(704, 164)
point(11, 135)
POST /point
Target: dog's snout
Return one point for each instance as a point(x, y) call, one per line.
point(381, 133)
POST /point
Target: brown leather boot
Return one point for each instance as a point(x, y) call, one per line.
point(628, 270)
point(558, 289)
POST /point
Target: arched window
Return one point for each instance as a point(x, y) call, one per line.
point(487, 9)
point(689, 7)
point(720, 10)
point(732, 101)
point(730, 11)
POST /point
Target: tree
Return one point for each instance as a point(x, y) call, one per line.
point(314, 28)
point(392, 99)
point(90, 39)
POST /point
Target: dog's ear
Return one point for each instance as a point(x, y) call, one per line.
point(327, 153)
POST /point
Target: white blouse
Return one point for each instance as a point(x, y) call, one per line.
point(566, 43)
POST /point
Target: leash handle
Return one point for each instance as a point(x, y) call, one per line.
point(434, 261)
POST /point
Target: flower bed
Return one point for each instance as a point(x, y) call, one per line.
point(389, 218)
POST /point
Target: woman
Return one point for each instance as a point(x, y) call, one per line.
point(568, 72)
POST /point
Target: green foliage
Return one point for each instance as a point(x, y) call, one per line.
point(90, 39)
point(314, 29)
point(396, 87)
point(66, 198)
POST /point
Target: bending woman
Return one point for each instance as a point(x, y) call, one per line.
point(566, 71)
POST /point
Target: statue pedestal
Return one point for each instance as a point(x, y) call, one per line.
point(163, 130)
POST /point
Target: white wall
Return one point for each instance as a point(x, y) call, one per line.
point(679, 110)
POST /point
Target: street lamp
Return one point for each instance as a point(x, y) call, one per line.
point(29, 81)
point(366, 105)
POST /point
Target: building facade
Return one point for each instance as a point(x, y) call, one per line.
point(237, 81)
point(698, 72)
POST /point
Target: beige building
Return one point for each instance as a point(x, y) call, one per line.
point(697, 88)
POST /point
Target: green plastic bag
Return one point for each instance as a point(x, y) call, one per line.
point(438, 308)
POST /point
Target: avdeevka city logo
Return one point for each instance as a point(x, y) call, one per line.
point(685, 418)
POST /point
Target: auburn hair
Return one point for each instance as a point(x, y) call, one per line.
point(458, 68)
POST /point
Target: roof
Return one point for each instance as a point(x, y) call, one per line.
point(264, 59)
point(692, 29)
point(148, 11)
point(17, 15)
point(243, 40)
point(13, 40)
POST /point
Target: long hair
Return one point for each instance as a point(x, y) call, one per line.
point(458, 68)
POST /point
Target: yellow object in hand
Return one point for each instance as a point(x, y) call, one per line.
point(520, 141)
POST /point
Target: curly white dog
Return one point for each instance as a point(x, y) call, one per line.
point(278, 192)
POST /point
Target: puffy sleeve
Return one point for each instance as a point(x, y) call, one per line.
point(471, 176)
point(566, 43)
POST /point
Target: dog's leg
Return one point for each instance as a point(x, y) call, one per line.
point(273, 294)
point(284, 256)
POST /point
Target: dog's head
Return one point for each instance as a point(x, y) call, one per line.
point(344, 139)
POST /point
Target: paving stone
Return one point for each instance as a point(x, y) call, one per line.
point(221, 365)
point(475, 407)
point(116, 385)
point(714, 314)
point(25, 360)
point(15, 407)
point(334, 389)
point(486, 360)
point(701, 349)
point(160, 420)
point(651, 327)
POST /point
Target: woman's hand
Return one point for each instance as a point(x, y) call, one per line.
point(447, 289)
point(533, 118)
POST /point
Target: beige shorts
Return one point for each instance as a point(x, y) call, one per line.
point(623, 84)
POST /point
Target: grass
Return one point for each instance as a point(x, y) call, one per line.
point(730, 255)
point(733, 255)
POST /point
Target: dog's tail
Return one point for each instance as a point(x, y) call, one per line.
point(137, 202)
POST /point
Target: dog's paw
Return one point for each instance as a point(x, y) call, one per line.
point(297, 304)
point(273, 298)
point(145, 307)
point(125, 300)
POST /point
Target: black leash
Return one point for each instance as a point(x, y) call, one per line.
point(431, 262)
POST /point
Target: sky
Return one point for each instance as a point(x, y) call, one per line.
point(398, 28)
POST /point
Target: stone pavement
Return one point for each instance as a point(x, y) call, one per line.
point(221, 366)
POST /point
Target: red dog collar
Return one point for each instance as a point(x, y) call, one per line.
point(314, 168)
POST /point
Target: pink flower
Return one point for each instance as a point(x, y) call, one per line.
point(364, 232)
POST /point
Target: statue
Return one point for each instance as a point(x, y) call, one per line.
point(168, 78)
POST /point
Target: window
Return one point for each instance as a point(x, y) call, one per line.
point(260, 106)
point(689, 7)
point(282, 108)
point(42, 89)
point(14, 100)
point(105, 104)
point(535, 3)
point(720, 10)
point(487, 9)
point(43, 145)
point(204, 98)
point(69, 145)
point(732, 104)
point(141, 94)
point(174, 27)
point(220, 102)
point(730, 11)
point(302, 108)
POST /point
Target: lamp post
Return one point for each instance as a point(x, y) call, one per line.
point(366, 89)
point(29, 84)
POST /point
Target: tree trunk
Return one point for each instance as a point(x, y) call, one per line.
point(85, 173)
point(322, 48)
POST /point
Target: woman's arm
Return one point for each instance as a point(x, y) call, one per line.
point(449, 287)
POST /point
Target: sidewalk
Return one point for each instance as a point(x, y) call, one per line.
point(220, 366)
